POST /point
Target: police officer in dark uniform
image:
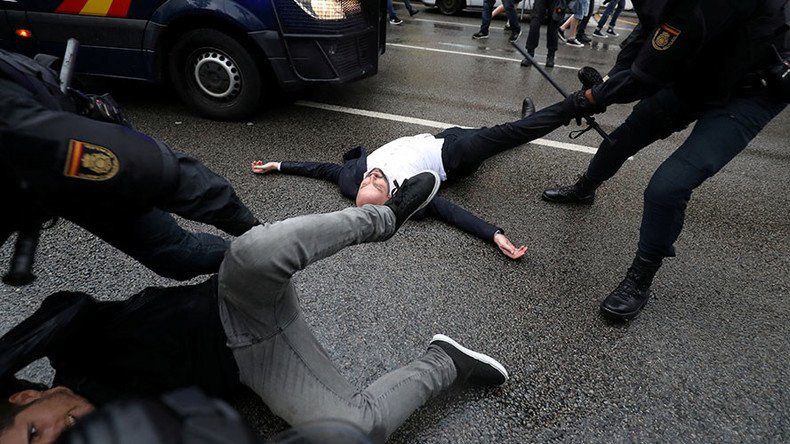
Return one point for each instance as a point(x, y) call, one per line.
point(75, 156)
point(720, 63)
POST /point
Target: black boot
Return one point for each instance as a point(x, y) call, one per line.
point(583, 191)
point(526, 61)
point(550, 60)
point(627, 300)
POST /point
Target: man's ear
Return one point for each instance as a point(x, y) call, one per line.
point(24, 397)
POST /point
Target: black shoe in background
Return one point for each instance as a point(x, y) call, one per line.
point(526, 61)
point(472, 367)
point(583, 38)
point(413, 12)
point(550, 60)
point(627, 300)
point(527, 108)
point(514, 35)
point(583, 192)
point(415, 193)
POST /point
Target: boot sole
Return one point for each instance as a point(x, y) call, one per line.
point(621, 317)
point(585, 201)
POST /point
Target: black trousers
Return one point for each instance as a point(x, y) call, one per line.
point(464, 150)
point(540, 8)
point(719, 135)
point(119, 184)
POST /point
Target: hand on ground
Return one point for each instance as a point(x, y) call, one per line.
point(258, 167)
point(507, 248)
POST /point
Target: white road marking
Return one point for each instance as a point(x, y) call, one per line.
point(434, 124)
point(470, 54)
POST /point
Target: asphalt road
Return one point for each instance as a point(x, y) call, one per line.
point(708, 359)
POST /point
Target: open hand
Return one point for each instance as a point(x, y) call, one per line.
point(258, 167)
point(507, 247)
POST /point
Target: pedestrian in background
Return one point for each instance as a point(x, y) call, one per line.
point(394, 17)
point(613, 9)
point(578, 11)
point(541, 8)
point(512, 18)
point(581, 32)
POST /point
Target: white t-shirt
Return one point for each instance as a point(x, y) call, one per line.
point(407, 156)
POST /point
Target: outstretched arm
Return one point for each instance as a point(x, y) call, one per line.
point(458, 217)
point(316, 170)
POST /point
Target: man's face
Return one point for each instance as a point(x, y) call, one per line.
point(374, 189)
point(46, 416)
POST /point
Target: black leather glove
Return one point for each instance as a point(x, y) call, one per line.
point(103, 107)
point(577, 106)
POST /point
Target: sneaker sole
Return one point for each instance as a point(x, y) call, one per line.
point(433, 192)
point(480, 38)
point(473, 354)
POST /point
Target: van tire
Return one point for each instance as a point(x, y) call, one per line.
point(215, 74)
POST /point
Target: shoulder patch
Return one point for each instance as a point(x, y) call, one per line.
point(90, 162)
point(664, 37)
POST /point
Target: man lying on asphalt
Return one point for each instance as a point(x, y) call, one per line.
point(244, 325)
point(453, 154)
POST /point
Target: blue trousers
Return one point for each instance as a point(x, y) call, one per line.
point(719, 135)
point(510, 11)
point(614, 8)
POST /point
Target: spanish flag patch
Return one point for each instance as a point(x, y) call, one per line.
point(90, 162)
point(664, 37)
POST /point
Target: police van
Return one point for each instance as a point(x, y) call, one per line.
point(220, 55)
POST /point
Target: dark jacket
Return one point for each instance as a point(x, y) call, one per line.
point(349, 175)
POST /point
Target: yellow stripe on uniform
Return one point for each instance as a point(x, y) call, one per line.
point(96, 7)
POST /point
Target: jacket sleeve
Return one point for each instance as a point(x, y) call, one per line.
point(458, 217)
point(316, 170)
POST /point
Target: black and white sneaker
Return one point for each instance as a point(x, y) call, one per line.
point(472, 367)
point(561, 34)
point(479, 36)
point(396, 21)
point(414, 194)
point(612, 32)
point(514, 35)
point(574, 42)
point(599, 33)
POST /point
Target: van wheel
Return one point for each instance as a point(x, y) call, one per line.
point(215, 74)
point(450, 7)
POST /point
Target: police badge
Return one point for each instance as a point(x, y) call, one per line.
point(664, 37)
point(90, 162)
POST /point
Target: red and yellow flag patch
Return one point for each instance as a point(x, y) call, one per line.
point(102, 8)
point(90, 162)
point(664, 37)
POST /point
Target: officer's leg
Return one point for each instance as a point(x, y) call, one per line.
point(463, 155)
point(204, 196)
point(718, 136)
point(654, 118)
point(277, 352)
point(538, 11)
point(157, 241)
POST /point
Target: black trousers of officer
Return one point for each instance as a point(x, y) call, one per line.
point(719, 135)
point(131, 210)
point(539, 10)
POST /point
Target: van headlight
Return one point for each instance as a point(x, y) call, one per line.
point(330, 9)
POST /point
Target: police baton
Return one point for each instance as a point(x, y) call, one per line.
point(589, 119)
point(67, 67)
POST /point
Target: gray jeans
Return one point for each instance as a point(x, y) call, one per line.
point(278, 355)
